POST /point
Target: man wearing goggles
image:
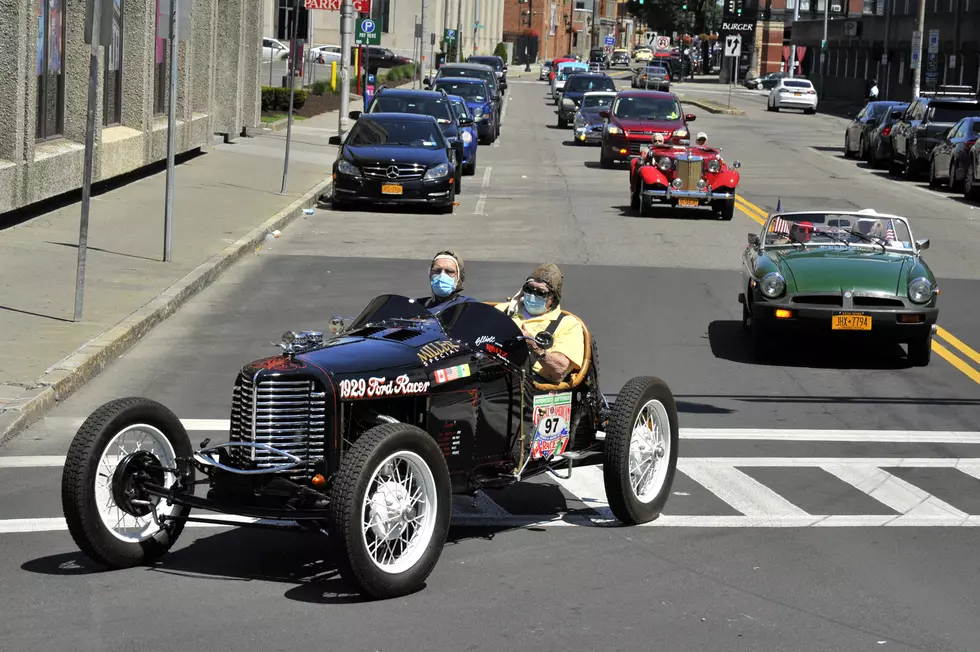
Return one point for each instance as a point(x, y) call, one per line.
point(446, 276)
point(537, 308)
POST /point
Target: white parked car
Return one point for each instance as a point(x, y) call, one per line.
point(274, 49)
point(325, 54)
point(793, 93)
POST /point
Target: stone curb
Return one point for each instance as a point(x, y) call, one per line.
point(67, 376)
point(713, 109)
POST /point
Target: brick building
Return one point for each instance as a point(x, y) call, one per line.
point(545, 28)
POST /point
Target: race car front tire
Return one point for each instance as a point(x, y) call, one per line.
point(641, 461)
point(725, 208)
point(391, 495)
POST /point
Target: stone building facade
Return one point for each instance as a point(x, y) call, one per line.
point(44, 96)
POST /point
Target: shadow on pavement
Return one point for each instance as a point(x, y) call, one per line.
point(729, 341)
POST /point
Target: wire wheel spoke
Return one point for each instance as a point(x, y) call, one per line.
point(649, 445)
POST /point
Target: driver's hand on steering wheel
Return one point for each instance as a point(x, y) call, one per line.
point(531, 344)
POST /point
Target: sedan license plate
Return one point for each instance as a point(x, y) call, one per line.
point(851, 322)
point(391, 189)
point(687, 202)
point(798, 94)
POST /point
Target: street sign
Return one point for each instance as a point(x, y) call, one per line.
point(607, 49)
point(733, 45)
point(610, 40)
point(449, 36)
point(650, 38)
point(933, 41)
point(360, 6)
point(663, 42)
point(367, 32)
point(916, 49)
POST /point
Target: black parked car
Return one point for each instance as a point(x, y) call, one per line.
point(498, 65)
point(477, 70)
point(365, 436)
point(576, 86)
point(857, 135)
point(951, 158)
point(925, 122)
point(396, 158)
point(879, 150)
point(379, 58)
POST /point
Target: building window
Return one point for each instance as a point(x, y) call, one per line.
point(112, 99)
point(381, 13)
point(160, 69)
point(50, 69)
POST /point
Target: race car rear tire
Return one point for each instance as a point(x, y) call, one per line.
point(632, 500)
point(361, 505)
point(95, 484)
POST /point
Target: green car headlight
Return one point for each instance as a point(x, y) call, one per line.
point(920, 290)
point(772, 285)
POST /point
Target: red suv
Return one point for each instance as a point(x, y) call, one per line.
point(634, 117)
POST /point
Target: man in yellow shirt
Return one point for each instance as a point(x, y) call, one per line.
point(538, 308)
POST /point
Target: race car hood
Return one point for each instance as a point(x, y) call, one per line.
point(839, 269)
point(397, 154)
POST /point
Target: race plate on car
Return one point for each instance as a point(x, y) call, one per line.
point(687, 202)
point(851, 321)
point(391, 189)
point(550, 437)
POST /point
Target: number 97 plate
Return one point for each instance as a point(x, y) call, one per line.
point(550, 437)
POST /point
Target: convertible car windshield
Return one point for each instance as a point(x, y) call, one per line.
point(830, 229)
point(647, 108)
point(411, 133)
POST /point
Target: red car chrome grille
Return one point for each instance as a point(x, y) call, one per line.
point(689, 172)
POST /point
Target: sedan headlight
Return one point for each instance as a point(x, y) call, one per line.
point(665, 163)
point(612, 129)
point(467, 137)
point(438, 172)
point(477, 113)
point(345, 167)
point(772, 285)
point(920, 290)
point(682, 133)
point(714, 166)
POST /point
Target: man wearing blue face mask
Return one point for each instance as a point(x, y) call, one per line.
point(537, 309)
point(446, 276)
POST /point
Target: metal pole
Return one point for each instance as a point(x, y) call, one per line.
point(730, 84)
point(93, 78)
point(792, 42)
point(423, 69)
point(168, 214)
point(823, 47)
point(416, 57)
point(292, 91)
point(446, 26)
point(917, 72)
point(888, 60)
point(476, 23)
point(346, 34)
point(272, 58)
point(459, 31)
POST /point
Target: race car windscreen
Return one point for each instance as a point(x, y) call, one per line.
point(585, 84)
point(597, 101)
point(391, 306)
point(476, 92)
point(647, 108)
point(408, 133)
point(824, 229)
point(437, 108)
point(484, 327)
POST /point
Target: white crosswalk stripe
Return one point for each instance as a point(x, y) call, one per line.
point(734, 481)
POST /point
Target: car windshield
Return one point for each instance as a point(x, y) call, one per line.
point(568, 71)
point(597, 100)
point(493, 62)
point(954, 112)
point(831, 229)
point(796, 83)
point(471, 91)
point(589, 83)
point(459, 107)
point(647, 108)
point(655, 70)
point(472, 73)
point(408, 133)
point(438, 108)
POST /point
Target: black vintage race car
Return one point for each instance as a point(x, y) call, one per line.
point(364, 436)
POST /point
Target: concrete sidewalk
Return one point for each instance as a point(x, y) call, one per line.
point(225, 203)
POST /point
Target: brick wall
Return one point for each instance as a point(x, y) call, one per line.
point(548, 46)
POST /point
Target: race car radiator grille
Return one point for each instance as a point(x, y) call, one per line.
point(393, 171)
point(689, 172)
point(288, 414)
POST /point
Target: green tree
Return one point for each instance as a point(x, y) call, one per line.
point(500, 51)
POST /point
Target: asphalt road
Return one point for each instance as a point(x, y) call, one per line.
point(847, 537)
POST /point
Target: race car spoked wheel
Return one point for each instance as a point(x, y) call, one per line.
point(641, 450)
point(122, 445)
point(390, 510)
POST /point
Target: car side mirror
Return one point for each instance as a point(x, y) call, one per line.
point(690, 117)
point(922, 244)
point(604, 115)
point(465, 122)
point(354, 115)
point(736, 164)
point(426, 81)
point(337, 325)
point(334, 140)
point(505, 68)
point(753, 238)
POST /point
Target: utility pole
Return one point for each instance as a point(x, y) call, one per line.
point(792, 42)
point(446, 25)
point(459, 31)
point(423, 68)
point(917, 71)
point(476, 23)
point(823, 45)
point(346, 36)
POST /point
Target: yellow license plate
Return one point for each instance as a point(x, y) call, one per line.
point(798, 94)
point(391, 189)
point(851, 322)
point(687, 202)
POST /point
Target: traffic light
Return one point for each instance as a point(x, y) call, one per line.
point(684, 6)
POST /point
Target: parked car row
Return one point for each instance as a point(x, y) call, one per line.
point(935, 134)
point(413, 146)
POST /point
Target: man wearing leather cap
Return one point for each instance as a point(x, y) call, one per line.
point(537, 308)
point(446, 276)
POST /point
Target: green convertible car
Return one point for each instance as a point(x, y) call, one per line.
point(856, 273)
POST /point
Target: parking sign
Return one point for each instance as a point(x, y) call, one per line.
point(367, 32)
point(610, 40)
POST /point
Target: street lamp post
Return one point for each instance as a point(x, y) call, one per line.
point(917, 71)
point(792, 42)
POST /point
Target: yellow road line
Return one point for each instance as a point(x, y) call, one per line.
point(759, 215)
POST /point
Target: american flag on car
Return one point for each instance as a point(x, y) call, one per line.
point(890, 231)
point(779, 225)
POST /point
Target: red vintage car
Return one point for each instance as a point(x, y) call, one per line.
point(681, 175)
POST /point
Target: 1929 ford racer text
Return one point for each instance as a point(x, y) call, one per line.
point(376, 386)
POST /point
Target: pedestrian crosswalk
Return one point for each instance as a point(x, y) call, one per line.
point(889, 490)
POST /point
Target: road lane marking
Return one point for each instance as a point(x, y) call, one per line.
point(481, 202)
point(759, 215)
point(588, 486)
point(737, 489)
point(893, 492)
